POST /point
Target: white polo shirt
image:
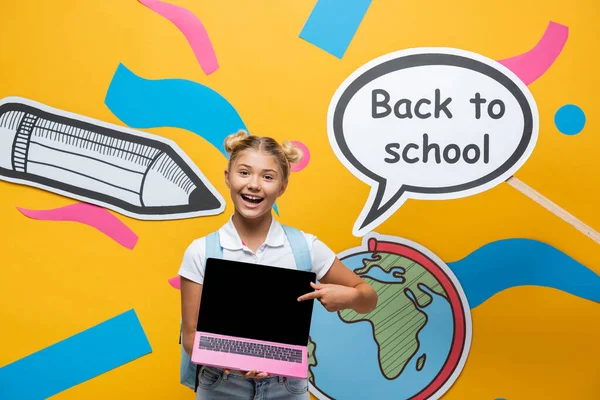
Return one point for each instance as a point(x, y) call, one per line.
point(275, 251)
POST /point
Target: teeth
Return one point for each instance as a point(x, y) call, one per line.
point(252, 197)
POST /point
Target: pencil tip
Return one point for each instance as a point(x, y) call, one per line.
point(203, 199)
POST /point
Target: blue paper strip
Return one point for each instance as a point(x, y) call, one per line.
point(504, 264)
point(333, 23)
point(178, 103)
point(74, 360)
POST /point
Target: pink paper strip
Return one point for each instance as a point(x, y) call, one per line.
point(193, 30)
point(531, 65)
point(94, 216)
point(175, 282)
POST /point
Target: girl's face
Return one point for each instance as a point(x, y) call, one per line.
point(255, 181)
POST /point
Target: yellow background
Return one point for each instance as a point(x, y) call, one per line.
point(61, 278)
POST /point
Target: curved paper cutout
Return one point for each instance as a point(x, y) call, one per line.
point(532, 64)
point(175, 282)
point(77, 359)
point(504, 264)
point(90, 215)
point(134, 173)
point(193, 30)
point(305, 157)
point(178, 103)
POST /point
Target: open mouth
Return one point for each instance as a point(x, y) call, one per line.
point(252, 199)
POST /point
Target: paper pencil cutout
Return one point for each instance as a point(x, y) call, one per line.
point(137, 174)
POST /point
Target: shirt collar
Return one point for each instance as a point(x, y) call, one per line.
point(230, 239)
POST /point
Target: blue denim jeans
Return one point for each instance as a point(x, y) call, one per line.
point(214, 384)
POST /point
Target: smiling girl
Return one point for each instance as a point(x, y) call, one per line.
point(256, 175)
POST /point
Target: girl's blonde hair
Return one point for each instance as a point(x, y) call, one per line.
point(285, 153)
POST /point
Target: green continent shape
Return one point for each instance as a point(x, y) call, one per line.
point(396, 320)
point(312, 359)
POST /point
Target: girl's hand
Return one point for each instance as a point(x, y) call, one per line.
point(333, 297)
point(248, 374)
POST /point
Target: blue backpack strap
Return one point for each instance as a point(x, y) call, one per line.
point(188, 373)
point(299, 248)
point(213, 246)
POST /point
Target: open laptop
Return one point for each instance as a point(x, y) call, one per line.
point(250, 318)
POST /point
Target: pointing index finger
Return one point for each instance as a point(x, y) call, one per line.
point(312, 295)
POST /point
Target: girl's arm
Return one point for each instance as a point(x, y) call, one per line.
point(190, 305)
point(342, 289)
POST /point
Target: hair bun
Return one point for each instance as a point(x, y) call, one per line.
point(233, 140)
point(292, 153)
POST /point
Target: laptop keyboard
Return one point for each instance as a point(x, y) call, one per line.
point(250, 349)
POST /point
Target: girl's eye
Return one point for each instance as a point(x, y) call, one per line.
point(268, 177)
point(244, 172)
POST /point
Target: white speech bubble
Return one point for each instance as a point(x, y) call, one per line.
point(410, 124)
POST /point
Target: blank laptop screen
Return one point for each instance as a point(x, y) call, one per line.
point(256, 302)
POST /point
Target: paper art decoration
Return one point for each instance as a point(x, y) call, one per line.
point(415, 343)
point(175, 282)
point(333, 23)
point(443, 123)
point(193, 30)
point(177, 103)
point(569, 119)
point(305, 157)
point(509, 263)
point(532, 64)
point(90, 215)
point(137, 174)
point(74, 360)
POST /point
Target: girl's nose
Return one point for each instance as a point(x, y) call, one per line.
point(253, 184)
